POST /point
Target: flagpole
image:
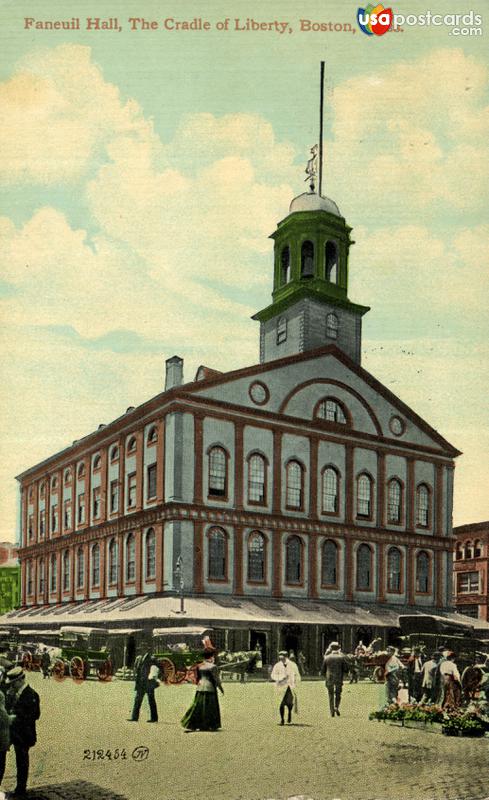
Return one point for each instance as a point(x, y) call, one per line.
point(321, 107)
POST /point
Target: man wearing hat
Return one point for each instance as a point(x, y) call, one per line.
point(286, 675)
point(335, 667)
point(22, 703)
point(393, 672)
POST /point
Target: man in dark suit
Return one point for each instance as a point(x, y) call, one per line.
point(146, 679)
point(415, 674)
point(22, 703)
point(335, 667)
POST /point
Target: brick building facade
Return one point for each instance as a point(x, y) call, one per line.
point(471, 570)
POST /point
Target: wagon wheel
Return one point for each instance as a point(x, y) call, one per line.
point(104, 671)
point(27, 661)
point(378, 675)
point(59, 670)
point(167, 670)
point(77, 669)
point(180, 676)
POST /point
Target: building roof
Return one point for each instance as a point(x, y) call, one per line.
point(209, 611)
point(310, 201)
point(471, 527)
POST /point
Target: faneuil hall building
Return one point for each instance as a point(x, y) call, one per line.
point(296, 500)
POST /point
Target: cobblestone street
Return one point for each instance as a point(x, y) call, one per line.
point(88, 751)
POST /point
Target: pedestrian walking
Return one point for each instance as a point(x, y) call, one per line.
point(45, 664)
point(286, 675)
point(430, 680)
point(4, 735)
point(335, 667)
point(204, 713)
point(415, 674)
point(22, 704)
point(146, 680)
point(393, 672)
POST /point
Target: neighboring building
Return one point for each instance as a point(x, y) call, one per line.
point(302, 498)
point(9, 577)
point(471, 570)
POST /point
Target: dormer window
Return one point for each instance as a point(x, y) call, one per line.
point(331, 410)
point(285, 266)
point(332, 326)
point(307, 260)
point(282, 330)
point(331, 261)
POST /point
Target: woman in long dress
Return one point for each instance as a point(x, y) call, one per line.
point(204, 713)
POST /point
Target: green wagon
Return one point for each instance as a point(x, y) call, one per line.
point(177, 651)
point(84, 653)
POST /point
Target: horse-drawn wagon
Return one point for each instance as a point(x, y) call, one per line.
point(84, 652)
point(177, 651)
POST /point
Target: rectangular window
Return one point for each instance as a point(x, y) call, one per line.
point(151, 483)
point(81, 509)
point(131, 490)
point(114, 497)
point(54, 518)
point(67, 515)
point(96, 502)
point(42, 524)
point(468, 582)
point(30, 527)
point(469, 611)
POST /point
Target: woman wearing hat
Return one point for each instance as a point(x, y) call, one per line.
point(204, 713)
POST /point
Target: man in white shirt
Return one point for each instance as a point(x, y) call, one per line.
point(450, 679)
point(393, 670)
point(287, 678)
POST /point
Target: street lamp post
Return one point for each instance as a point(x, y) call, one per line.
point(180, 584)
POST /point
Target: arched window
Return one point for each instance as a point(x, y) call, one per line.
point(130, 558)
point(131, 445)
point(113, 562)
point(468, 550)
point(81, 470)
point(150, 571)
point(218, 473)
point(67, 477)
point(53, 572)
point(31, 495)
point(217, 555)
point(80, 568)
point(329, 563)
point(66, 570)
point(42, 490)
point(256, 557)
point(114, 453)
point(331, 410)
point(95, 565)
point(256, 479)
point(394, 500)
point(422, 506)
point(284, 265)
point(307, 260)
point(293, 560)
point(459, 552)
point(332, 326)
point(364, 496)
point(422, 572)
point(394, 560)
point(330, 491)
point(364, 567)
point(477, 548)
point(294, 483)
point(54, 482)
point(281, 330)
point(42, 576)
point(152, 435)
point(331, 261)
point(97, 461)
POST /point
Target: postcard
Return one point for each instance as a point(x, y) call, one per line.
point(244, 398)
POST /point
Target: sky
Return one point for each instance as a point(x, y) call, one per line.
point(143, 171)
